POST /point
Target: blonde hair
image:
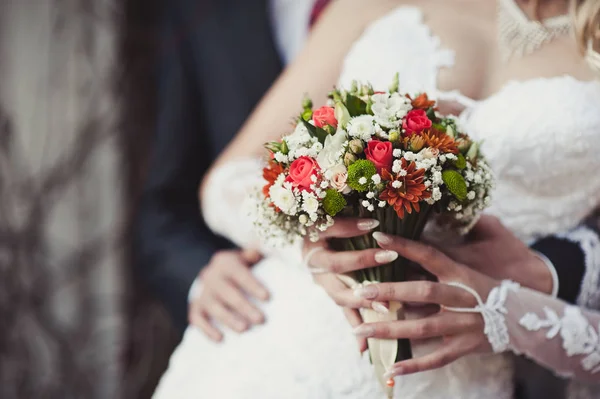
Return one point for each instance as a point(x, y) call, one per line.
point(586, 14)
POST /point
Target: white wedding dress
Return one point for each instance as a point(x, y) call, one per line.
point(542, 138)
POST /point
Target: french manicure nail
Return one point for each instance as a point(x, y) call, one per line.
point(367, 292)
point(364, 331)
point(367, 224)
point(382, 238)
point(380, 308)
point(386, 256)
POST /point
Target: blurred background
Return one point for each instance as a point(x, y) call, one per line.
point(76, 116)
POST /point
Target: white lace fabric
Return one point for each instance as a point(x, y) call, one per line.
point(563, 338)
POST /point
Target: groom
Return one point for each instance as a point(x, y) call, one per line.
point(218, 59)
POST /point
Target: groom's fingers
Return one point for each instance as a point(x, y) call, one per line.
point(200, 320)
point(219, 312)
point(235, 299)
point(242, 276)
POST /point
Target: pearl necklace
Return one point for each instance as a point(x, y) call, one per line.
point(519, 36)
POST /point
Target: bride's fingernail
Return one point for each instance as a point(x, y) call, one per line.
point(364, 331)
point(382, 238)
point(368, 292)
point(380, 308)
point(367, 224)
point(386, 256)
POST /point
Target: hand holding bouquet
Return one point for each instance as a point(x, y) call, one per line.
point(381, 155)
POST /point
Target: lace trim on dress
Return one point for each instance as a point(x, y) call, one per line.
point(493, 312)
point(578, 336)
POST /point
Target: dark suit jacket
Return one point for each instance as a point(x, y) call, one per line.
point(217, 59)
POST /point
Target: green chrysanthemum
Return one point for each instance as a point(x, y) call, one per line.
point(334, 202)
point(456, 184)
point(360, 173)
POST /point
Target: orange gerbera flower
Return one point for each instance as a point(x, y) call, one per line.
point(422, 102)
point(440, 140)
point(405, 196)
point(270, 173)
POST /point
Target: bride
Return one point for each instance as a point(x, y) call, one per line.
point(521, 86)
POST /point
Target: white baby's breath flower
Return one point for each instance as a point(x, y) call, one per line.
point(382, 204)
point(362, 180)
point(402, 173)
point(390, 109)
point(397, 153)
point(370, 208)
point(361, 127)
point(376, 179)
point(471, 195)
point(396, 184)
point(397, 166)
point(281, 158)
point(303, 219)
point(436, 194)
point(366, 203)
point(370, 195)
point(300, 137)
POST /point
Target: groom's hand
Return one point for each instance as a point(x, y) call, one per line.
point(494, 250)
point(226, 284)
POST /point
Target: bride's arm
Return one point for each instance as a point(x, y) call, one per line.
point(314, 73)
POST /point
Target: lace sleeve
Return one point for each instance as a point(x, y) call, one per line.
point(561, 337)
point(225, 205)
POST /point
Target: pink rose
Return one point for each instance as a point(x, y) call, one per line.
point(415, 122)
point(339, 177)
point(325, 116)
point(380, 153)
point(301, 172)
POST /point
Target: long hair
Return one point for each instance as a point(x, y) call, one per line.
point(586, 17)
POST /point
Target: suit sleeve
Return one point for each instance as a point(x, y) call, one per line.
point(172, 242)
point(576, 258)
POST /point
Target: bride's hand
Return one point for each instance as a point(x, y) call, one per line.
point(462, 332)
point(327, 265)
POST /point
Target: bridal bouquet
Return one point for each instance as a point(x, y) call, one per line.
point(382, 155)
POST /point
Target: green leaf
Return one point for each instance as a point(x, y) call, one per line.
point(355, 105)
point(334, 202)
point(314, 131)
point(439, 127)
point(460, 162)
point(456, 184)
point(431, 115)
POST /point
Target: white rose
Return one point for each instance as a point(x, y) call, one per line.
point(310, 203)
point(333, 150)
point(284, 199)
point(429, 153)
point(339, 176)
point(361, 127)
